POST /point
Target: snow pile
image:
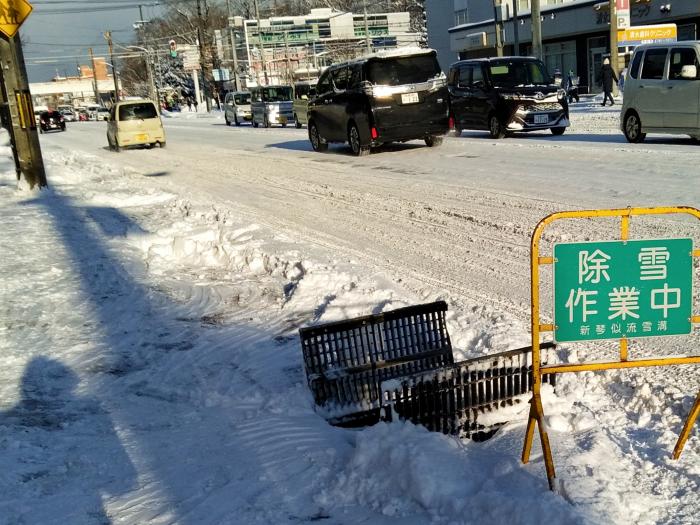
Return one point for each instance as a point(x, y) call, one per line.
point(151, 370)
point(401, 470)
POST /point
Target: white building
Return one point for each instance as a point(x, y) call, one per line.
point(310, 42)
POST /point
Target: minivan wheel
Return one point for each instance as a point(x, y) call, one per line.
point(557, 131)
point(228, 122)
point(496, 129)
point(315, 138)
point(354, 140)
point(433, 141)
point(633, 128)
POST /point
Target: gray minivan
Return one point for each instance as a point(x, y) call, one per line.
point(662, 91)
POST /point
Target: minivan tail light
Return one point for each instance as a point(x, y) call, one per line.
point(451, 123)
point(374, 133)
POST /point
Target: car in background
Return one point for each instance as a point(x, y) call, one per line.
point(237, 107)
point(102, 114)
point(386, 97)
point(135, 123)
point(505, 95)
point(51, 121)
point(68, 115)
point(662, 91)
point(271, 105)
point(304, 91)
point(92, 111)
point(83, 115)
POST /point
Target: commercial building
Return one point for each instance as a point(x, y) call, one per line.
point(288, 47)
point(575, 33)
point(78, 90)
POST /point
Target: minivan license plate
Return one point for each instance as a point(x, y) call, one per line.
point(541, 119)
point(409, 98)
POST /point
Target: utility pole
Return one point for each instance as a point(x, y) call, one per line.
point(536, 24)
point(207, 98)
point(498, 26)
point(94, 77)
point(290, 80)
point(260, 42)
point(18, 112)
point(108, 36)
point(234, 51)
point(367, 41)
point(516, 24)
point(614, 55)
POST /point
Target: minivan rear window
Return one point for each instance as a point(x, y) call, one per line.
point(276, 94)
point(137, 111)
point(403, 70)
point(513, 73)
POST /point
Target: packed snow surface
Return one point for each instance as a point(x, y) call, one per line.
point(150, 365)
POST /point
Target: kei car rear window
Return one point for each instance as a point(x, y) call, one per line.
point(137, 111)
point(654, 64)
point(397, 71)
point(242, 99)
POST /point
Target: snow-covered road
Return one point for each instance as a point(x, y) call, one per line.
point(149, 365)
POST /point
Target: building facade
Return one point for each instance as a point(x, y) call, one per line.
point(575, 33)
point(285, 48)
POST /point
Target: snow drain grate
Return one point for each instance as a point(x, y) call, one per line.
point(399, 364)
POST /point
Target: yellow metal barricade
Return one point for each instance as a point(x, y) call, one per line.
point(536, 415)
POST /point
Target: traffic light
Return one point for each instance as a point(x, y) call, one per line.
point(173, 49)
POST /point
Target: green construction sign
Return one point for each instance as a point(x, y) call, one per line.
point(616, 289)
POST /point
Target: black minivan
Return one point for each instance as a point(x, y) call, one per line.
point(505, 95)
point(388, 97)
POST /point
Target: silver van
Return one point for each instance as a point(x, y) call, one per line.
point(237, 107)
point(662, 91)
point(271, 105)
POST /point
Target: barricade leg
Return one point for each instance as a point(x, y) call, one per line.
point(529, 433)
point(537, 416)
point(685, 433)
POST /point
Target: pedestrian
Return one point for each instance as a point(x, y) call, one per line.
point(195, 104)
point(608, 78)
point(621, 82)
point(189, 104)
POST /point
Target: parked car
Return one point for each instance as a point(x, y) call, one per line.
point(303, 92)
point(505, 95)
point(271, 105)
point(237, 107)
point(68, 115)
point(51, 121)
point(134, 123)
point(92, 111)
point(386, 97)
point(662, 91)
point(83, 115)
point(102, 114)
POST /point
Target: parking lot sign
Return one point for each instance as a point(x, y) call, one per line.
point(623, 289)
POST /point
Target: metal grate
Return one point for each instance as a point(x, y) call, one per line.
point(463, 399)
point(347, 361)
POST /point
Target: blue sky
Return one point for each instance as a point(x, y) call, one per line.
point(56, 42)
